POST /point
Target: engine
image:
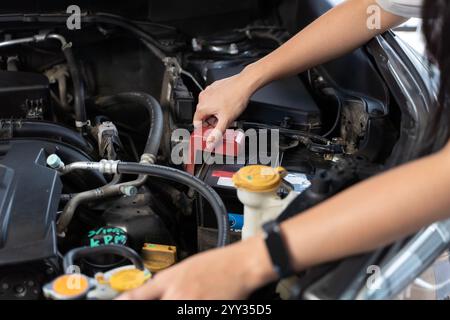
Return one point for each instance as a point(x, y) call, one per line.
point(86, 151)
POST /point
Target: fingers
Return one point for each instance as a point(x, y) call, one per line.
point(150, 291)
point(199, 116)
point(216, 134)
point(201, 112)
point(222, 125)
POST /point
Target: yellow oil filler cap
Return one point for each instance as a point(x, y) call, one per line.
point(257, 178)
point(127, 279)
point(158, 257)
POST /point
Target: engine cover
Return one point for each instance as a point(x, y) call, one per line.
point(29, 198)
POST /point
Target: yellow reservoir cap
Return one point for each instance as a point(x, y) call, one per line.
point(71, 285)
point(127, 279)
point(258, 178)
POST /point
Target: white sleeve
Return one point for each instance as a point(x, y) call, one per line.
point(403, 8)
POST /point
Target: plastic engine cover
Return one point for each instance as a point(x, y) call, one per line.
point(29, 197)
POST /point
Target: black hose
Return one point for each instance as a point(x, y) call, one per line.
point(43, 129)
point(78, 88)
point(336, 96)
point(184, 178)
point(156, 116)
point(77, 253)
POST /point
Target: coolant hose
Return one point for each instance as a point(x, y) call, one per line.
point(148, 157)
point(186, 179)
point(109, 190)
point(78, 88)
point(156, 118)
point(43, 129)
point(77, 253)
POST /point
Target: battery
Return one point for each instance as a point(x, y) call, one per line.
point(219, 177)
point(231, 145)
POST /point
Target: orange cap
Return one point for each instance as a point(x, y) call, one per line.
point(71, 285)
point(258, 178)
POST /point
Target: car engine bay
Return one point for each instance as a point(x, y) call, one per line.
point(86, 123)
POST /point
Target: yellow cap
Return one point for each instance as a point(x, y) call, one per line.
point(127, 279)
point(71, 285)
point(259, 178)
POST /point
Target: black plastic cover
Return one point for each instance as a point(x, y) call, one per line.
point(354, 73)
point(29, 197)
point(276, 102)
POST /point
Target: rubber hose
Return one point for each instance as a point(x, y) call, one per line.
point(99, 193)
point(78, 87)
point(77, 253)
point(155, 112)
point(186, 179)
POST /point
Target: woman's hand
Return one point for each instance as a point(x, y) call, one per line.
point(233, 272)
point(222, 102)
point(341, 30)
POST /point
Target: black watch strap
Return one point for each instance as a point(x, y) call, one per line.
point(277, 249)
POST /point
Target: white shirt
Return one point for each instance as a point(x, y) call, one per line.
point(403, 8)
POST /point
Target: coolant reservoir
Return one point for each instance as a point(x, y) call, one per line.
point(257, 188)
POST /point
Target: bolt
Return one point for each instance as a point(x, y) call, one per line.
point(54, 162)
point(128, 191)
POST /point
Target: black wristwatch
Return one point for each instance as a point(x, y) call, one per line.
point(277, 250)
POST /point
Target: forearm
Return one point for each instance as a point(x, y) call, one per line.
point(369, 215)
point(373, 213)
point(342, 29)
